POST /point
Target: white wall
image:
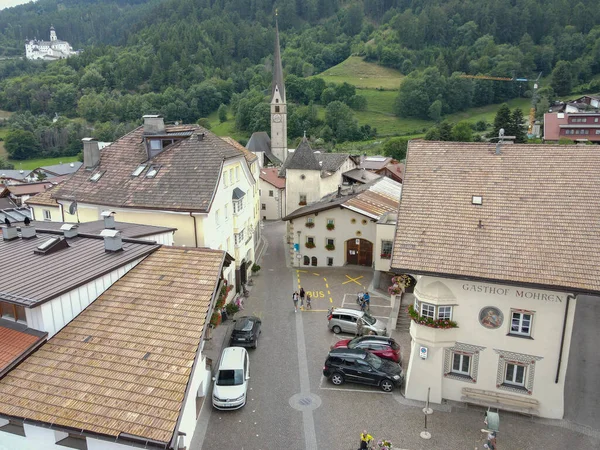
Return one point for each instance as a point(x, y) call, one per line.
point(385, 232)
point(294, 186)
point(160, 238)
point(53, 315)
point(545, 339)
point(344, 230)
point(275, 204)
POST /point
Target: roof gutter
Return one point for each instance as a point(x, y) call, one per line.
point(198, 351)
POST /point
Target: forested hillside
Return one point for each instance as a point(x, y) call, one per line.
point(185, 58)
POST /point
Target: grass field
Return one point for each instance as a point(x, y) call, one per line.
point(363, 75)
point(30, 164)
point(226, 128)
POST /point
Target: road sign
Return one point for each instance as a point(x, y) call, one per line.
point(423, 352)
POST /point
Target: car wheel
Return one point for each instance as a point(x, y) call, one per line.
point(386, 386)
point(337, 378)
point(255, 343)
point(336, 330)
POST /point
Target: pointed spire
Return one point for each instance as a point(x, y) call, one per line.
point(277, 66)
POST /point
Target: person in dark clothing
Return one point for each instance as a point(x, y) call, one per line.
point(302, 294)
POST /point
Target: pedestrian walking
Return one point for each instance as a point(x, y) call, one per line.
point(308, 299)
point(302, 294)
point(359, 327)
point(295, 300)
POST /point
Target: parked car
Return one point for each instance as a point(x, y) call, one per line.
point(246, 331)
point(231, 380)
point(344, 320)
point(360, 366)
point(382, 346)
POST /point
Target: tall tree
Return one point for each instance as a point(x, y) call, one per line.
point(503, 119)
point(562, 78)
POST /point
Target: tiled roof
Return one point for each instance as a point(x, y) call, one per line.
point(29, 188)
point(250, 157)
point(43, 198)
point(30, 279)
point(124, 363)
point(303, 158)
point(373, 199)
point(271, 176)
point(261, 142)
point(188, 175)
point(396, 168)
point(15, 345)
point(331, 162)
point(538, 224)
point(128, 230)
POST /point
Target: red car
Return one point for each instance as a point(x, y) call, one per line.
point(382, 346)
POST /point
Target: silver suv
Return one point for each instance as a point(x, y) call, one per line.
point(345, 320)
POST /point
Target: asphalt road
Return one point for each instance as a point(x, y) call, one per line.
point(292, 407)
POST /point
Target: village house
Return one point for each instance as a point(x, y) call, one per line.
point(580, 126)
point(128, 371)
point(343, 228)
point(51, 50)
point(502, 240)
point(176, 176)
point(272, 194)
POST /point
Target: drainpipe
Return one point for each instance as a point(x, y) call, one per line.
point(195, 229)
point(562, 338)
point(62, 211)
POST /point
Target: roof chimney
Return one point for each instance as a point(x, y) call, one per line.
point(91, 153)
point(154, 124)
point(112, 240)
point(28, 232)
point(69, 230)
point(109, 219)
point(9, 233)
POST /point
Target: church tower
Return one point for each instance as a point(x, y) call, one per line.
point(278, 105)
point(52, 34)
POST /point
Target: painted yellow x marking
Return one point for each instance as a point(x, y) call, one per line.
point(351, 280)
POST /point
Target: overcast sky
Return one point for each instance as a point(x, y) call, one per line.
point(8, 3)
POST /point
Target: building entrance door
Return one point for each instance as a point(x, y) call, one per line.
point(359, 252)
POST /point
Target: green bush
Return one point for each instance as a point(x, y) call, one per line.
point(231, 308)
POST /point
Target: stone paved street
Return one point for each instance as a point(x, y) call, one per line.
point(291, 406)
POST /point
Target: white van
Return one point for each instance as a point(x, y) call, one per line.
point(231, 380)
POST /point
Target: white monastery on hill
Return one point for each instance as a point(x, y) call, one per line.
point(48, 50)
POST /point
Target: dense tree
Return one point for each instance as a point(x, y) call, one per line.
point(338, 116)
point(396, 148)
point(517, 126)
point(222, 113)
point(21, 144)
point(562, 78)
point(503, 120)
point(462, 132)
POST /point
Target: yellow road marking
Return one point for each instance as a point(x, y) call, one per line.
point(303, 271)
point(328, 292)
point(327, 285)
point(315, 274)
point(352, 280)
point(330, 300)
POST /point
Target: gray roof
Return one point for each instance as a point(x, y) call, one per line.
point(29, 279)
point(237, 194)
point(277, 67)
point(14, 174)
point(128, 230)
point(375, 162)
point(14, 214)
point(303, 158)
point(261, 142)
point(331, 161)
point(62, 169)
point(361, 175)
point(328, 202)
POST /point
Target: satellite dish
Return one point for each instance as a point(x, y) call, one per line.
point(73, 208)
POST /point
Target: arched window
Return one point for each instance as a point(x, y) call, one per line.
point(306, 260)
point(314, 260)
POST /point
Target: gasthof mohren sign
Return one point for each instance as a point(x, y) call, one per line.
point(515, 292)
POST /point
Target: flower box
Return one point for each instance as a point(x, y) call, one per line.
point(302, 203)
point(386, 256)
point(330, 226)
point(310, 224)
point(310, 245)
point(428, 321)
point(330, 247)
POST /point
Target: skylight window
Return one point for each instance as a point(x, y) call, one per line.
point(477, 200)
point(139, 170)
point(48, 243)
point(94, 178)
point(152, 171)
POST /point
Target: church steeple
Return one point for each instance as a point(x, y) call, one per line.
point(278, 104)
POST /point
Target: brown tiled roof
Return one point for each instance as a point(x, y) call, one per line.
point(15, 345)
point(187, 180)
point(271, 176)
point(539, 222)
point(30, 279)
point(250, 157)
point(43, 198)
point(123, 364)
point(28, 188)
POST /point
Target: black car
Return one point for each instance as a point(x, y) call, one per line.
point(360, 366)
point(245, 332)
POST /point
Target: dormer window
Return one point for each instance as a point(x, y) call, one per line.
point(152, 171)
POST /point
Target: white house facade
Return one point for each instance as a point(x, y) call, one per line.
point(272, 194)
point(48, 50)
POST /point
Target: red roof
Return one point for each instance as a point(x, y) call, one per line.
point(14, 345)
point(271, 176)
point(28, 188)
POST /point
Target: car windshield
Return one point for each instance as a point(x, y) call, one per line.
point(374, 361)
point(230, 378)
point(369, 319)
point(244, 325)
point(354, 342)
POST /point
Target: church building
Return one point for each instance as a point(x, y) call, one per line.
point(48, 50)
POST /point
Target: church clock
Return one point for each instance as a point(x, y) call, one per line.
point(276, 118)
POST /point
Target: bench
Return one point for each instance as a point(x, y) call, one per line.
point(500, 400)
